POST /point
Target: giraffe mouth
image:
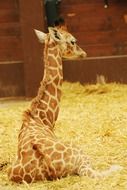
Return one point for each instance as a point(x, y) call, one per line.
point(74, 58)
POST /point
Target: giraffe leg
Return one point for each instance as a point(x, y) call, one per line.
point(15, 173)
point(47, 162)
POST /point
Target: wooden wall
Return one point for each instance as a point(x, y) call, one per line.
point(11, 54)
point(102, 33)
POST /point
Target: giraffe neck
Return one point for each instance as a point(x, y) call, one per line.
point(45, 107)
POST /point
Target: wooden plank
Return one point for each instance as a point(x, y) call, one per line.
point(11, 54)
point(101, 37)
point(8, 4)
point(11, 80)
point(68, 2)
point(95, 24)
point(10, 42)
point(105, 49)
point(10, 29)
point(9, 15)
point(86, 71)
point(93, 9)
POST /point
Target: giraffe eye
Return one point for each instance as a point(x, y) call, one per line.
point(56, 36)
point(72, 42)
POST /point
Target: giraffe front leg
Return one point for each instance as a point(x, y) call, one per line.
point(47, 164)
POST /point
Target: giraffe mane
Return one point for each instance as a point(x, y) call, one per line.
point(27, 115)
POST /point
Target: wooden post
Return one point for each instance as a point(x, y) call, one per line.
point(32, 17)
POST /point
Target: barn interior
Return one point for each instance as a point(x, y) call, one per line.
point(93, 109)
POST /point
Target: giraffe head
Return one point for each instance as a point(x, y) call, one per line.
point(64, 40)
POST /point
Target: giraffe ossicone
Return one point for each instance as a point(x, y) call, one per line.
point(41, 155)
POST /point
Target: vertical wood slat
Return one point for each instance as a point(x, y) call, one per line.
point(11, 58)
point(32, 17)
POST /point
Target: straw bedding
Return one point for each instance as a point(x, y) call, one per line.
point(92, 116)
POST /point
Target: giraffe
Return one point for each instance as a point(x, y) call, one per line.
point(45, 106)
point(41, 155)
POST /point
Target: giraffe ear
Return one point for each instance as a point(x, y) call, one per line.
point(41, 35)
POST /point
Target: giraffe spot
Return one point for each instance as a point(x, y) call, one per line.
point(42, 114)
point(42, 105)
point(30, 166)
point(17, 179)
point(51, 89)
point(66, 156)
point(60, 147)
point(54, 52)
point(52, 61)
point(75, 151)
point(48, 151)
point(21, 172)
point(46, 97)
point(56, 80)
point(54, 73)
point(35, 147)
point(69, 151)
point(50, 115)
point(26, 156)
point(16, 170)
point(39, 177)
point(53, 103)
point(69, 168)
point(58, 166)
point(59, 60)
point(33, 162)
point(27, 168)
point(56, 156)
point(37, 120)
point(49, 142)
point(46, 122)
point(28, 178)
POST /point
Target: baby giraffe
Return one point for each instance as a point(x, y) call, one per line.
point(41, 155)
